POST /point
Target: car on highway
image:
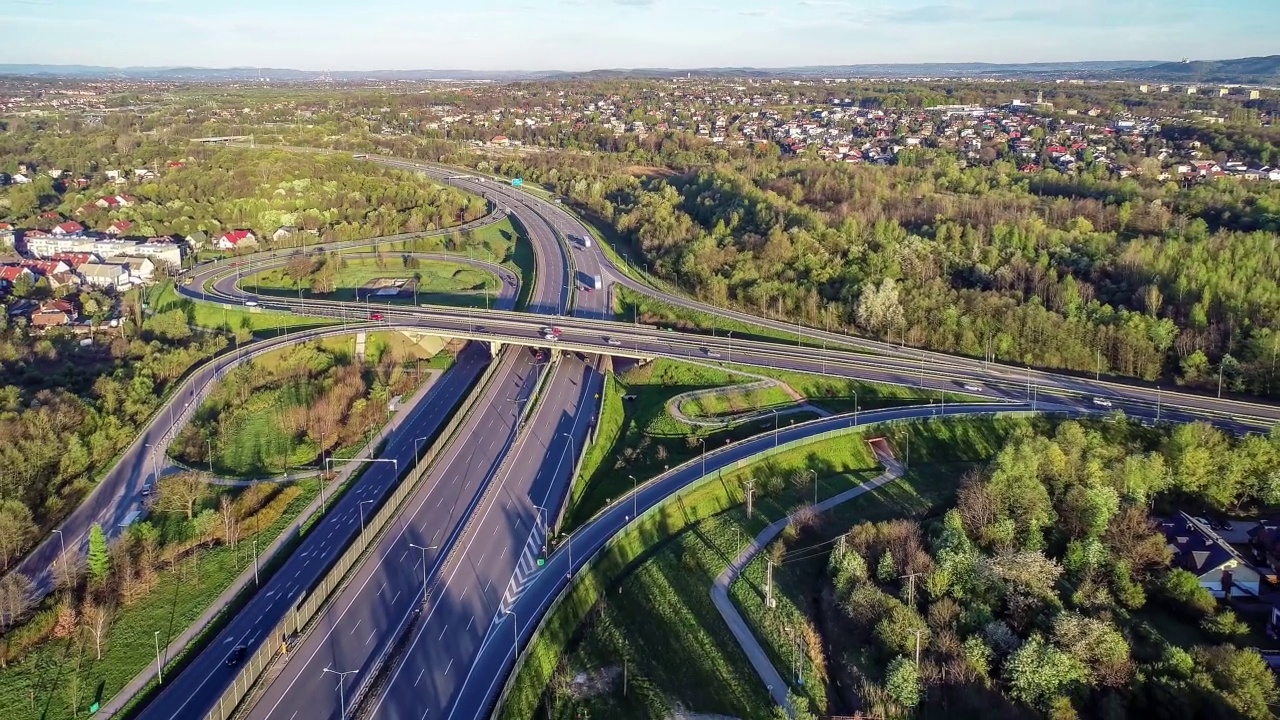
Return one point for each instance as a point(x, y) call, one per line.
point(973, 388)
point(251, 303)
point(1102, 402)
point(375, 316)
point(711, 353)
point(237, 654)
point(550, 336)
point(613, 341)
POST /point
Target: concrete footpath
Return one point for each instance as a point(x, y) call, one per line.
point(772, 679)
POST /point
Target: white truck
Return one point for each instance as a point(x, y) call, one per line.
point(597, 282)
point(586, 241)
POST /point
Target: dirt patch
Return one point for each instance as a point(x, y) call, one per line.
point(648, 171)
point(596, 682)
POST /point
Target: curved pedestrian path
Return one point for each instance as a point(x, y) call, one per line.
point(769, 675)
point(762, 382)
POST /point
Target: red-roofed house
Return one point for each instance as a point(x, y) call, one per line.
point(114, 201)
point(119, 227)
point(75, 260)
point(53, 312)
point(237, 239)
point(45, 267)
point(51, 215)
point(9, 275)
point(70, 227)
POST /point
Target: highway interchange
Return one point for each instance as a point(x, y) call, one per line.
point(468, 537)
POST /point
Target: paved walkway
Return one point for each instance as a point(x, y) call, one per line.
point(772, 679)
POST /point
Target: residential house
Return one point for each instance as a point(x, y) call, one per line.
point(237, 239)
point(53, 313)
point(141, 269)
point(1199, 550)
point(105, 275)
point(110, 202)
point(20, 179)
point(198, 239)
point(284, 233)
point(45, 267)
point(74, 260)
point(8, 236)
point(119, 228)
point(66, 229)
point(11, 274)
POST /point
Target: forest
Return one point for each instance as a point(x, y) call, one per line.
point(1047, 590)
point(1092, 275)
point(215, 189)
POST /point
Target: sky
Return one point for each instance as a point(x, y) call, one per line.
point(593, 34)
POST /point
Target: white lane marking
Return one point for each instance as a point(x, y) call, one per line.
point(442, 632)
point(471, 622)
point(415, 682)
point(353, 627)
point(375, 632)
point(446, 670)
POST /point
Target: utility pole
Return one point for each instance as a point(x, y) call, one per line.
point(918, 633)
point(751, 491)
point(911, 588)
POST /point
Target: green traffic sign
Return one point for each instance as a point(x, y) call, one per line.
point(541, 562)
point(93, 708)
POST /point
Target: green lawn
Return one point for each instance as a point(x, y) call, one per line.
point(61, 678)
point(648, 440)
point(647, 601)
point(504, 242)
point(209, 315)
point(438, 283)
point(838, 395)
point(734, 401)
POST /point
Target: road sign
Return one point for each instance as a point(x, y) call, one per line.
point(517, 182)
point(93, 708)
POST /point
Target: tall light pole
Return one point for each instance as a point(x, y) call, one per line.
point(342, 700)
point(424, 565)
point(209, 442)
point(255, 562)
point(361, 507)
point(515, 632)
point(417, 447)
point(159, 667)
point(62, 538)
point(775, 427)
point(729, 335)
point(571, 445)
point(155, 471)
point(704, 455)
point(815, 485)
point(635, 502)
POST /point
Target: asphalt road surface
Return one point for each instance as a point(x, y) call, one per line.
point(194, 691)
point(500, 557)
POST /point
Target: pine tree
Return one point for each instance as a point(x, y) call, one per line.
point(99, 556)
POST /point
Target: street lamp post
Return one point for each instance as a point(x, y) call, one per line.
point(159, 667)
point(417, 447)
point(342, 700)
point(255, 562)
point(209, 442)
point(704, 455)
point(775, 427)
point(729, 336)
point(424, 565)
point(62, 539)
point(361, 507)
point(815, 485)
point(155, 469)
point(635, 502)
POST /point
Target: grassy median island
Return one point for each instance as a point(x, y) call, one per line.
point(647, 604)
point(639, 437)
point(386, 278)
point(292, 407)
point(83, 644)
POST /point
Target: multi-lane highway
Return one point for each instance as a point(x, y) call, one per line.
point(448, 662)
point(193, 692)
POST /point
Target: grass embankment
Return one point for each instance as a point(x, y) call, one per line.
point(647, 603)
point(640, 438)
point(62, 676)
point(428, 282)
point(213, 316)
point(285, 409)
point(504, 242)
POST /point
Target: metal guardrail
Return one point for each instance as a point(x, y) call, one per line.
point(317, 598)
point(696, 484)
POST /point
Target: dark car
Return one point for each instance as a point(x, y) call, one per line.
point(237, 654)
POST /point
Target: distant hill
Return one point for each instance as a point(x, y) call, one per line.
point(1252, 70)
point(1260, 70)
